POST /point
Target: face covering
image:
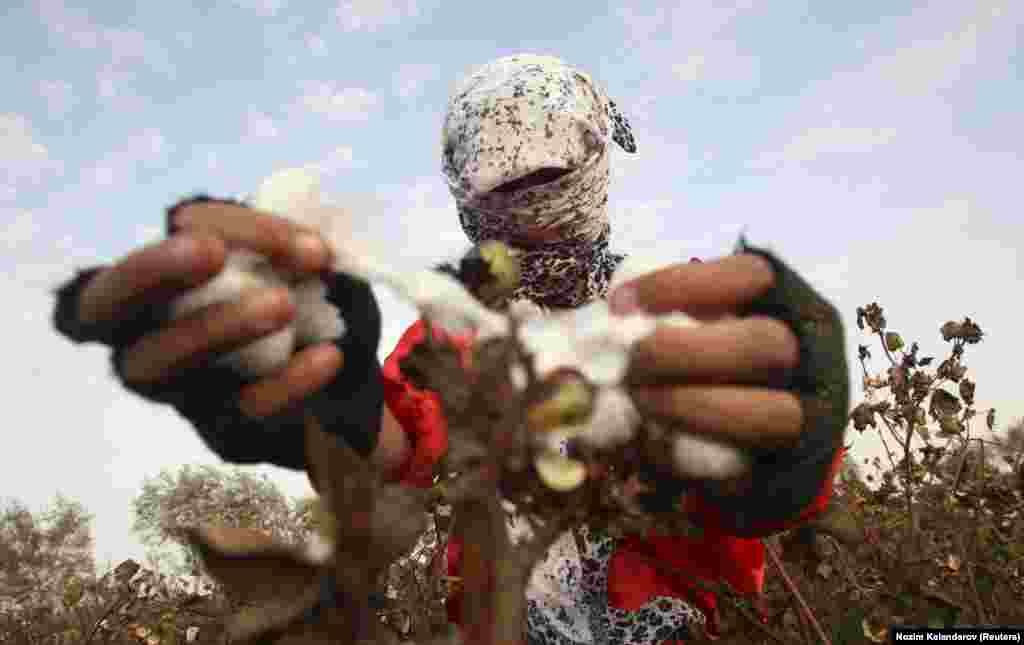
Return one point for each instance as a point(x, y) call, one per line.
point(525, 153)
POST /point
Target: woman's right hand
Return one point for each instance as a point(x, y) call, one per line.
point(154, 275)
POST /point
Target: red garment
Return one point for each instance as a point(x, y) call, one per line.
point(418, 411)
point(632, 579)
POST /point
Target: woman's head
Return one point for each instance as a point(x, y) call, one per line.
point(525, 153)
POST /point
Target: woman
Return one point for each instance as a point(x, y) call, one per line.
point(525, 152)
point(526, 155)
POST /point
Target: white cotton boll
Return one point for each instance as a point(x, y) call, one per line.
point(289, 191)
point(316, 319)
point(634, 266)
point(590, 339)
point(525, 309)
point(605, 365)
point(243, 272)
point(264, 357)
point(549, 340)
point(605, 341)
point(293, 194)
point(613, 421)
point(700, 458)
point(440, 297)
point(444, 301)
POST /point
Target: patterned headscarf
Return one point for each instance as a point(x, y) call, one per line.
point(528, 118)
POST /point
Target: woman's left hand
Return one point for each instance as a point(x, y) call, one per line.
point(725, 378)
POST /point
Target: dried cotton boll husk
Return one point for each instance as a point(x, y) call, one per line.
point(491, 271)
point(570, 403)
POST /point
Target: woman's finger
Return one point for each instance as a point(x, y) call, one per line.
point(705, 290)
point(287, 244)
point(756, 350)
point(221, 327)
point(307, 372)
point(150, 275)
point(748, 416)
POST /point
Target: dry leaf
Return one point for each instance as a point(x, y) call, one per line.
point(953, 563)
point(874, 635)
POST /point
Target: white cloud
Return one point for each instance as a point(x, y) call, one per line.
point(336, 103)
point(212, 161)
point(19, 146)
point(116, 87)
point(814, 143)
point(131, 46)
point(341, 158)
point(689, 42)
point(893, 123)
point(126, 51)
point(411, 77)
point(262, 7)
point(123, 45)
point(641, 27)
point(371, 15)
point(23, 159)
point(22, 228)
point(102, 175)
point(144, 149)
point(719, 61)
point(316, 45)
point(59, 97)
point(259, 126)
point(690, 69)
point(936, 63)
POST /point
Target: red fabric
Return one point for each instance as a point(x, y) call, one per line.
point(418, 411)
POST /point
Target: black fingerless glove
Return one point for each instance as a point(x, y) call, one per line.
point(786, 480)
point(349, 407)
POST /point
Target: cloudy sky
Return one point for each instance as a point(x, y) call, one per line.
point(876, 145)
